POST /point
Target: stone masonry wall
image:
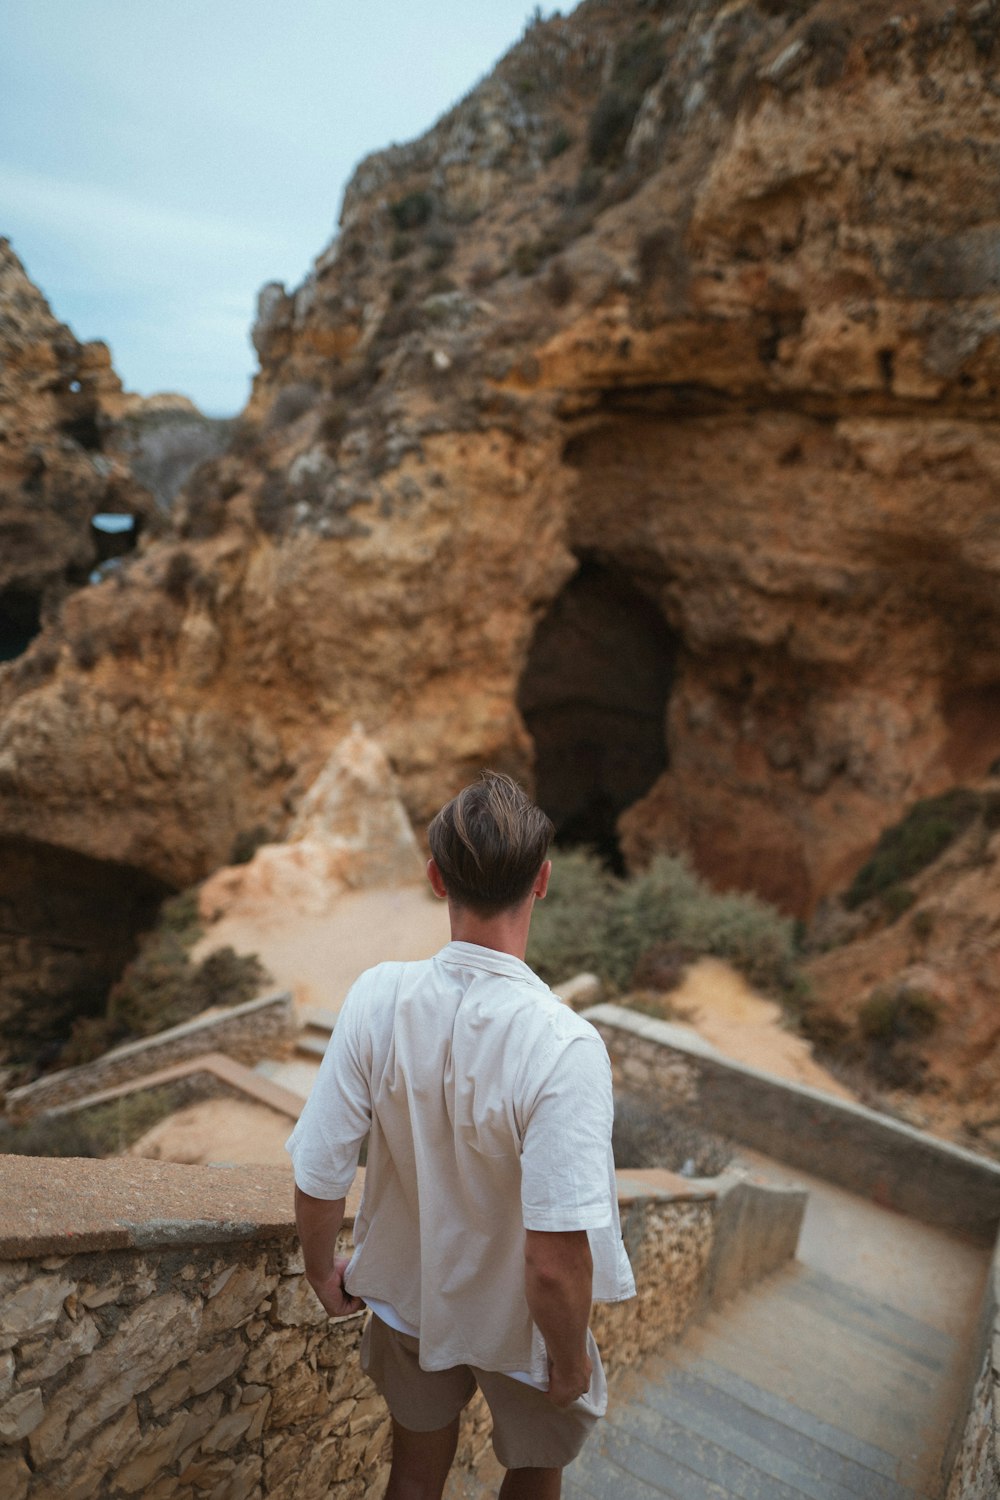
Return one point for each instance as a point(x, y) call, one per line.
point(160, 1340)
point(245, 1032)
point(976, 1471)
point(833, 1138)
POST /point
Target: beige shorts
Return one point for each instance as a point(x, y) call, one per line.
point(528, 1431)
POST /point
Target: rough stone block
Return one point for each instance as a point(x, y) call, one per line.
point(155, 1452)
point(300, 1395)
point(283, 1457)
point(242, 1484)
point(227, 1432)
point(84, 1473)
point(269, 1360)
point(296, 1304)
point(42, 1358)
point(6, 1374)
point(32, 1309)
point(15, 1477)
point(238, 1299)
point(201, 1418)
point(153, 1338)
point(21, 1415)
point(213, 1366)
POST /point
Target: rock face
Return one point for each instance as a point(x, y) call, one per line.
point(642, 418)
point(58, 399)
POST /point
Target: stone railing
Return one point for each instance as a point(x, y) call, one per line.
point(845, 1143)
point(245, 1032)
point(832, 1138)
point(976, 1471)
point(159, 1338)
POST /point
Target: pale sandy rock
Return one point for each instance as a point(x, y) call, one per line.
point(148, 1342)
point(353, 807)
point(34, 1308)
point(15, 1477)
point(21, 1414)
point(237, 1300)
point(350, 832)
point(43, 1358)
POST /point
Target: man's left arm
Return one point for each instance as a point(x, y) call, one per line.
point(319, 1221)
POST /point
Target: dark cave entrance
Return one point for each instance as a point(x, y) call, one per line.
point(594, 697)
point(68, 926)
point(20, 621)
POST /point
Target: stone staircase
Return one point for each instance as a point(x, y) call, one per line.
point(839, 1377)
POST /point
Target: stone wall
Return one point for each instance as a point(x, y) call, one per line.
point(245, 1032)
point(976, 1471)
point(159, 1337)
point(833, 1138)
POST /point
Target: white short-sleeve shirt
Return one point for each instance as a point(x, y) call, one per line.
point(489, 1107)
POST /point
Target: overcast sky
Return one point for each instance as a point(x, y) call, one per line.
point(161, 159)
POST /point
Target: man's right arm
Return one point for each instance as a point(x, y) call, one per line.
point(558, 1274)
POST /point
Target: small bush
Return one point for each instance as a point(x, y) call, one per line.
point(85, 650)
point(915, 842)
point(246, 843)
point(180, 574)
point(559, 141)
point(593, 921)
point(161, 987)
point(107, 1130)
point(900, 1014)
point(412, 211)
point(559, 284)
point(610, 124)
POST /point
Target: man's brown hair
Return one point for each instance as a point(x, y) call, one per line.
point(489, 843)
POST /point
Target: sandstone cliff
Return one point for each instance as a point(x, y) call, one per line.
point(638, 429)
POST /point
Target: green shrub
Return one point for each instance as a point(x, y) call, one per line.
point(106, 1130)
point(593, 921)
point(898, 1014)
point(639, 61)
point(559, 141)
point(412, 211)
point(916, 841)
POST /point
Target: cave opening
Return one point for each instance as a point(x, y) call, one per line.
point(594, 697)
point(69, 923)
point(20, 621)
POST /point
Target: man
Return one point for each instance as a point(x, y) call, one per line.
point(489, 1218)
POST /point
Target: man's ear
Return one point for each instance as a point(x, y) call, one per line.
point(541, 884)
point(437, 884)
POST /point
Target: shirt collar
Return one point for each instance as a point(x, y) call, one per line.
point(491, 960)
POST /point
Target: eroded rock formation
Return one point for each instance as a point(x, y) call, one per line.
point(699, 299)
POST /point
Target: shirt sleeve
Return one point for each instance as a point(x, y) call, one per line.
point(326, 1142)
point(566, 1151)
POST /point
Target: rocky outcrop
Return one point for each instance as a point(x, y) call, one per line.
point(678, 333)
point(58, 464)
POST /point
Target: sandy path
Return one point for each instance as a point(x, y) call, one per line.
point(218, 1130)
point(720, 1005)
point(318, 958)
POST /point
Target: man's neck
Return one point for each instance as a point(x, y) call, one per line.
point(507, 932)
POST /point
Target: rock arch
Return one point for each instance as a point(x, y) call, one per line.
point(593, 696)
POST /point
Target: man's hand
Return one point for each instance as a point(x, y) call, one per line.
point(558, 1270)
point(334, 1295)
point(567, 1386)
point(319, 1222)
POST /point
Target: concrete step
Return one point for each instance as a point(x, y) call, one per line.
point(311, 1044)
point(319, 1019)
